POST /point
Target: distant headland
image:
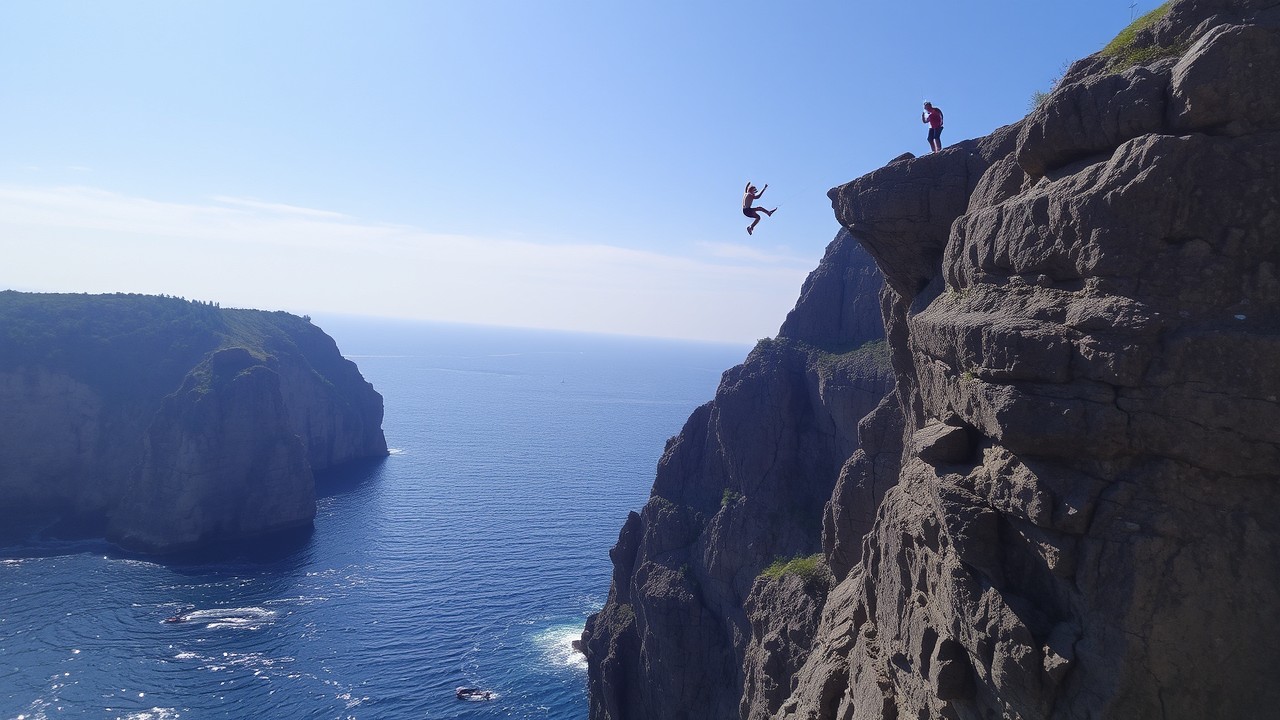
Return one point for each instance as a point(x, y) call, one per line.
point(173, 424)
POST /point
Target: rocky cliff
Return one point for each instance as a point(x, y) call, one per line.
point(173, 424)
point(1068, 506)
point(742, 485)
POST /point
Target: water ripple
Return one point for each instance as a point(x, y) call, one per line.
point(472, 556)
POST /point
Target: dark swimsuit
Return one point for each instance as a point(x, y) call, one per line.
point(749, 212)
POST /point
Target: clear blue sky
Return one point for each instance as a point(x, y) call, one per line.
point(564, 164)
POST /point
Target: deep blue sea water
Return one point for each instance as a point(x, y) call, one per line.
point(470, 556)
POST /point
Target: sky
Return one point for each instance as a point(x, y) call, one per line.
point(563, 164)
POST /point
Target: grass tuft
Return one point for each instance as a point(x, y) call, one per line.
point(1122, 52)
point(729, 497)
point(808, 568)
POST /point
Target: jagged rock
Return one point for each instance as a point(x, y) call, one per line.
point(173, 424)
point(838, 302)
point(1068, 507)
point(1222, 85)
point(938, 443)
point(1094, 115)
point(743, 484)
point(896, 206)
point(952, 674)
point(783, 613)
point(861, 485)
point(1104, 331)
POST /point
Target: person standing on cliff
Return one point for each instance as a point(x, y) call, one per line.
point(933, 116)
point(749, 197)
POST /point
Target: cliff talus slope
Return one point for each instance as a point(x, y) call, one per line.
point(173, 424)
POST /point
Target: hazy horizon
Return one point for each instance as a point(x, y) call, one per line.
point(559, 165)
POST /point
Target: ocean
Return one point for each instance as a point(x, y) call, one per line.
point(471, 556)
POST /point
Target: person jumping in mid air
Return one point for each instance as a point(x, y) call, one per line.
point(933, 116)
point(754, 212)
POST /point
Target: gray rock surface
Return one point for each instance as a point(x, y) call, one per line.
point(839, 302)
point(743, 484)
point(1103, 327)
point(1068, 506)
point(784, 613)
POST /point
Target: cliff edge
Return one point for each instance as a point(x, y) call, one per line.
point(1068, 506)
point(173, 424)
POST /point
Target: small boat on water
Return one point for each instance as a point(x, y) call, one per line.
point(474, 693)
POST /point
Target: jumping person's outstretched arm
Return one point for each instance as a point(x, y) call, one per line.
point(766, 187)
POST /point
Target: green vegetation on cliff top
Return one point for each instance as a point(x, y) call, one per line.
point(1123, 52)
point(126, 343)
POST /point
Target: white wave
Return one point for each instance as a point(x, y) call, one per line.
point(351, 700)
point(262, 666)
point(155, 714)
point(249, 618)
point(234, 624)
point(557, 648)
point(131, 562)
point(229, 614)
point(395, 451)
point(300, 599)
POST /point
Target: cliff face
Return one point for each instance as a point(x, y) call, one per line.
point(176, 424)
point(742, 485)
point(1068, 507)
